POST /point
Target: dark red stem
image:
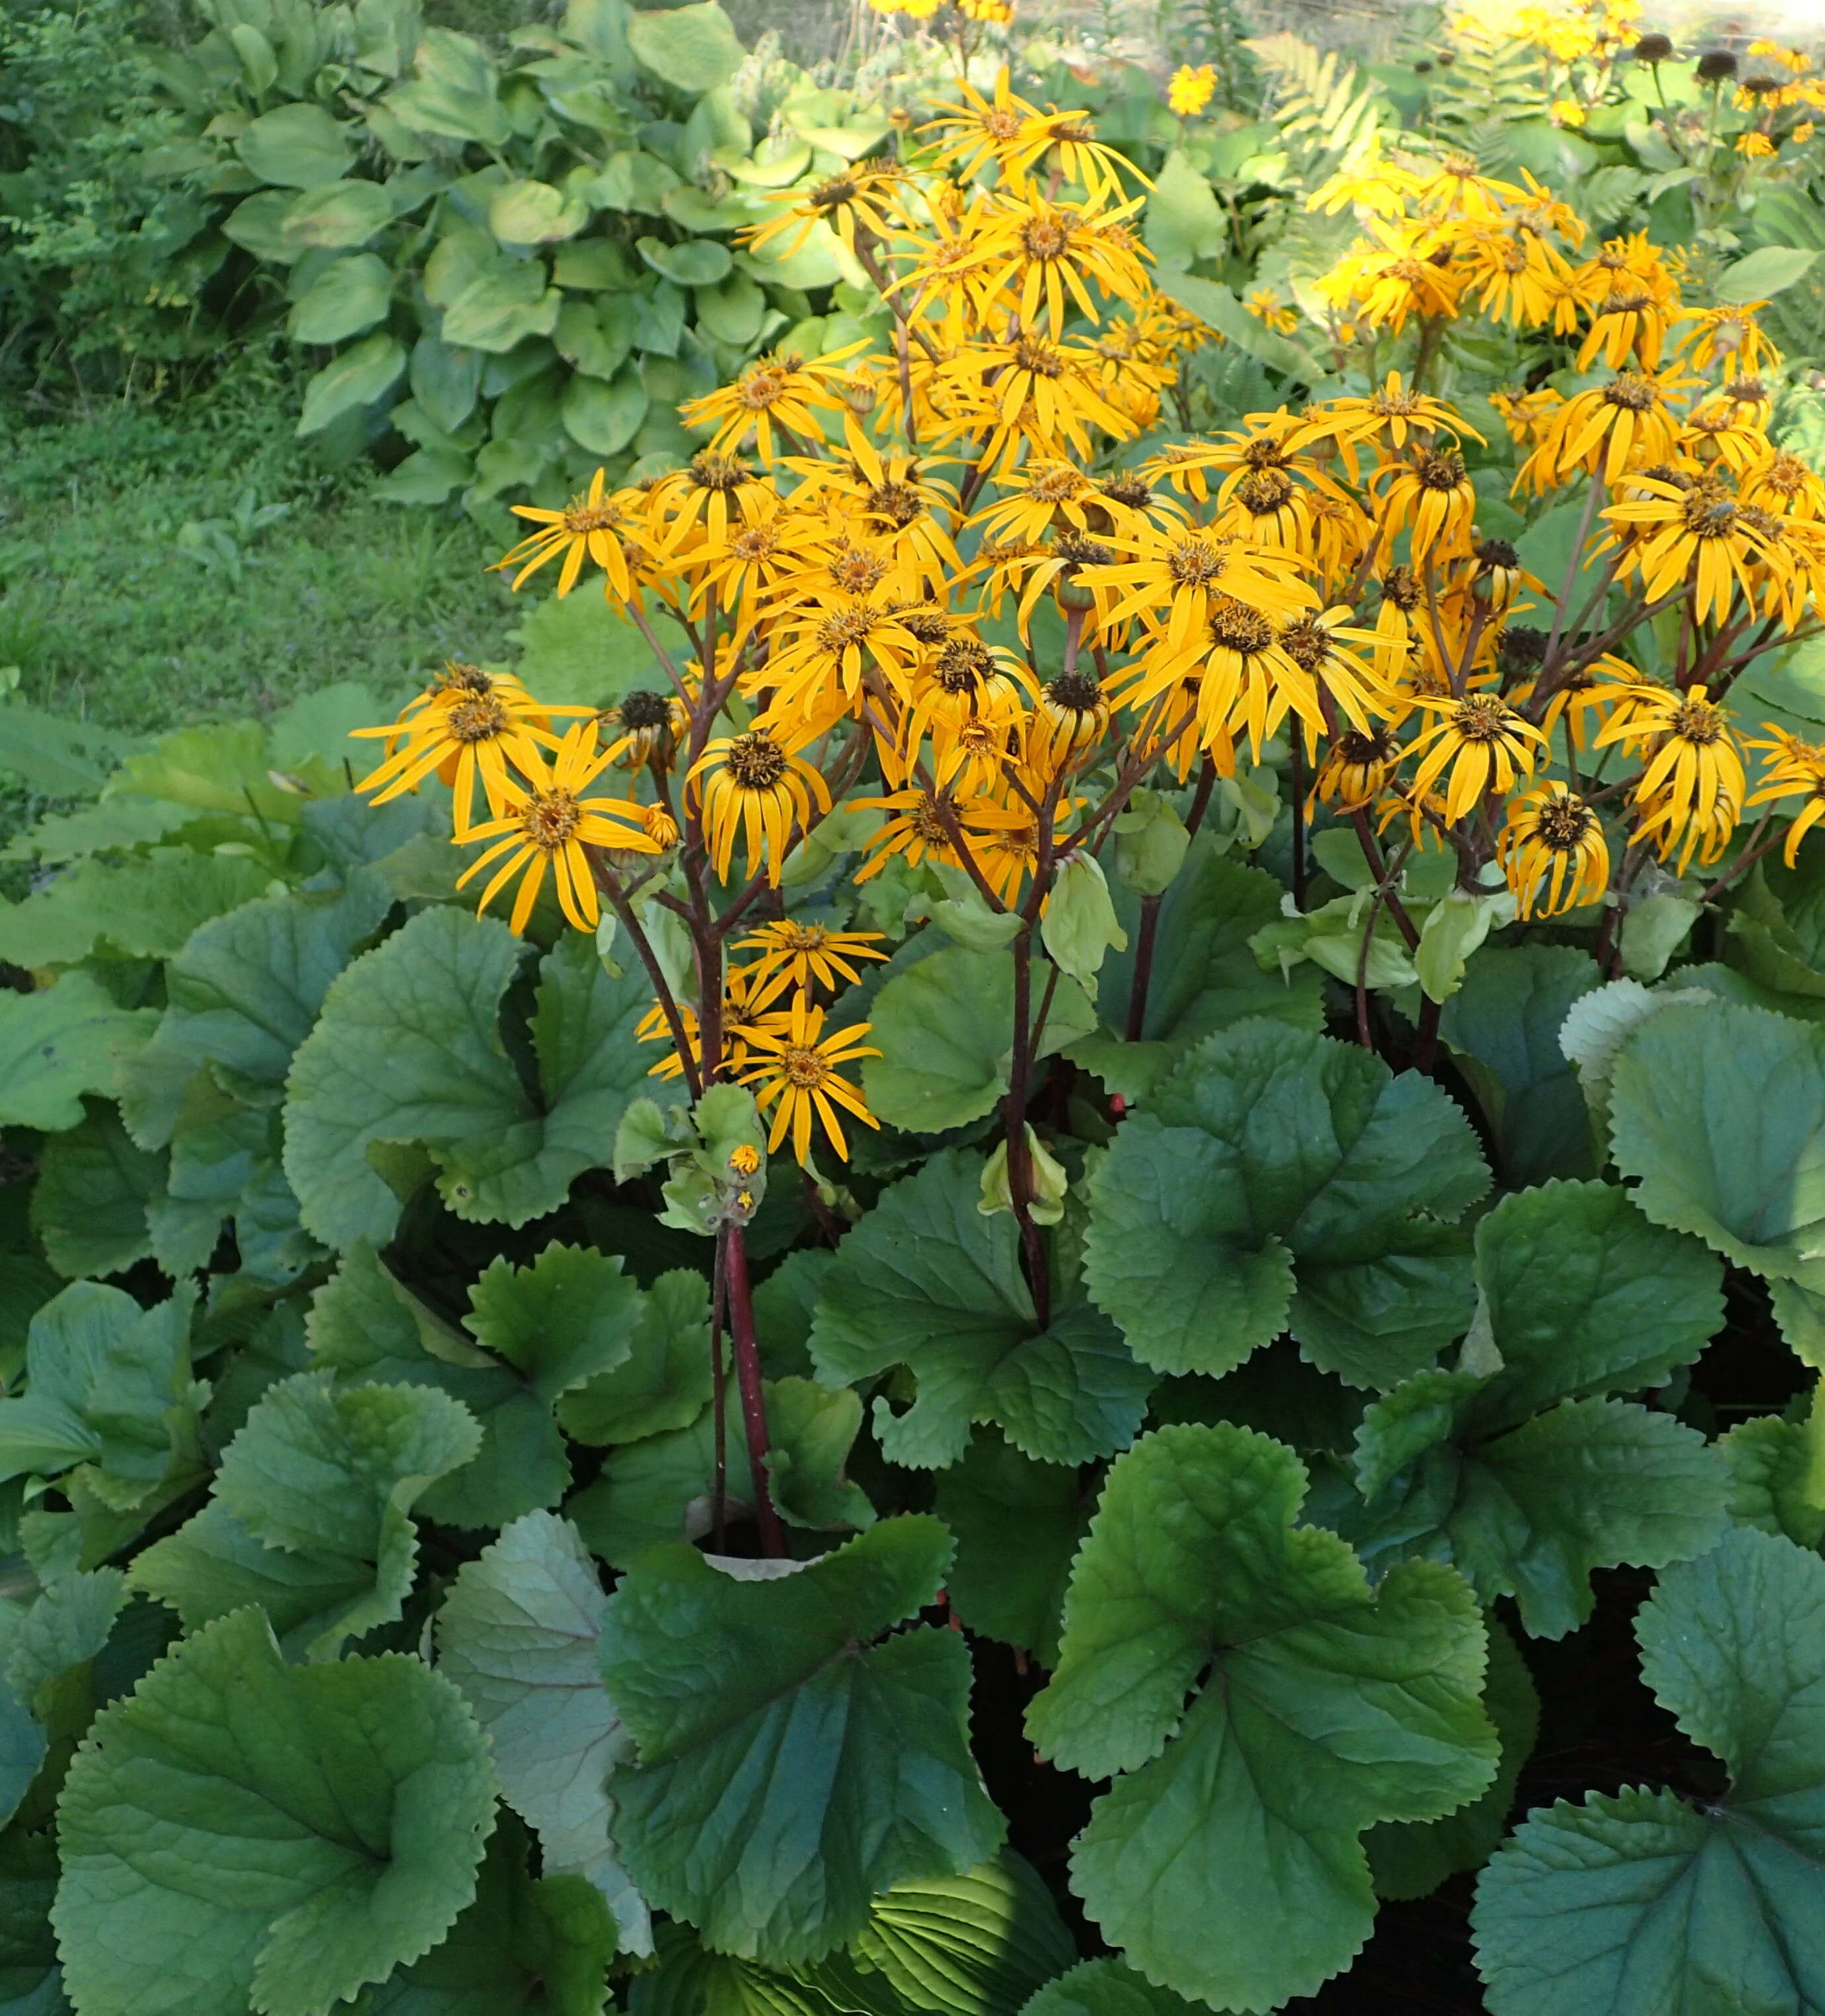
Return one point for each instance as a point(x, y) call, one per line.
point(748, 1379)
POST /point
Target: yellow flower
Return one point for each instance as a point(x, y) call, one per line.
point(1170, 575)
point(781, 391)
point(546, 822)
point(996, 13)
point(1355, 767)
point(1682, 532)
point(1067, 722)
point(1482, 741)
point(1801, 133)
point(1692, 781)
point(1607, 428)
point(802, 955)
point(1040, 254)
point(980, 130)
point(467, 727)
point(1568, 112)
point(1431, 492)
point(855, 198)
point(1793, 769)
point(1189, 90)
point(917, 832)
point(1754, 146)
point(756, 784)
point(1266, 306)
point(793, 1071)
point(591, 527)
point(1554, 851)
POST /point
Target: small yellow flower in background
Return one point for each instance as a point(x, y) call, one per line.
point(997, 13)
point(1754, 146)
point(743, 1161)
point(803, 956)
point(1793, 769)
point(1567, 112)
point(1801, 133)
point(1189, 90)
point(1265, 305)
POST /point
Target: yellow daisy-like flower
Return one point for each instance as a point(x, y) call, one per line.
point(1693, 775)
point(793, 1069)
point(1481, 741)
point(547, 823)
point(857, 198)
point(592, 526)
point(979, 130)
point(1189, 90)
point(1552, 851)
point(469, 729)
point(1793, 769)
point(802, 956)
point(1356, 767)
point(1431, 492)
point(757, 784)
point(1755, 146)
point(1170, 575)
point(1696, 533)
point(1034, 257)
point(917, 831)
point(1607, 428)
point(780, 391)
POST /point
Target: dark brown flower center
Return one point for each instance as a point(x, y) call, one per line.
point(1236, 626)
point(1562, 823)
point(755, 761)
point(1631, 391)
point(478, 720)
point(549, 819)
point(1697, 722)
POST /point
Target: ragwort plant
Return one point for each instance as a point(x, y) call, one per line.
point(1096, 1111)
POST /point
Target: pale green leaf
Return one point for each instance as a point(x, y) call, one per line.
point(57, 1044)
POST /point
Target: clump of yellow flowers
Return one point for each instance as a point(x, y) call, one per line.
point(824, 587)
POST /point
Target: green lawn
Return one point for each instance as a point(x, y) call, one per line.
point(140, 588)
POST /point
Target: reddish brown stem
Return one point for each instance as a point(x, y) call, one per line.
point(748, 1379)
point(1144, 967)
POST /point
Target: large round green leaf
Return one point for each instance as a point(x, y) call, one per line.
point(1325, 1707)
point(348, 296)
point(604, 418)
point(297, 146)
point(696, 48)
point(360, 376)
point(368, 1844)
point(698, 262)
point(1638, 1903)
point(926, 1281)
point(530, 213)
point(340, 218)
point(455, 91)
point(1719, 1113)
point(501, 308)
point(762, 1711)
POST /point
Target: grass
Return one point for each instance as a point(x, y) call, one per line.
point(147, 580)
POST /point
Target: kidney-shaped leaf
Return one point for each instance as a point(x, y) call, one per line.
point(789, 1768)
point(366, 1783)
point(1327, 1706)
point(926, 1281)
point(1638, 1903)
point(297, 146)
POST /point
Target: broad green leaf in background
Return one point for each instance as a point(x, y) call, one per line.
point(663, 1489)
point(1503, 1023)
point(1770, 270)
point(1529, 1475)
point(1326, 1706)
point(534, 212)
point(243, 993)
point(145, 906)
point(693, 48)
point(945, 1028)
point(360, 375)
point(1719, 1113)
point(347, 297)
point(408, 1049)
point(298, 146)
point(1638, 1903)
point(454, 92)
point(1770, 1461)
point(1270, 1158)
point(1412, 1859)
point(1018, 1525)
point(96, 1190)
point(666, 1381)
point(926, 1281)
point(57, 1044)
point(1184, 222)
point(790, 1768)
point(517, 1636)
point(366, 1327)
point(563, 1320)
point(108, 1386)
point(368, 1849)
point(539, 1947)
point(1203, 977)
point(326, 1478)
